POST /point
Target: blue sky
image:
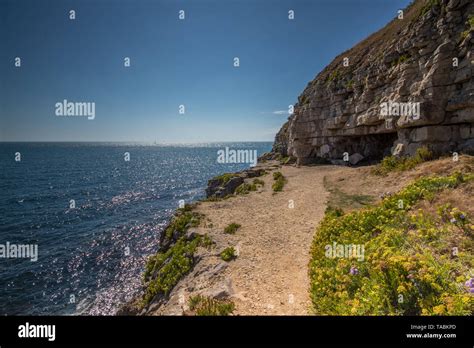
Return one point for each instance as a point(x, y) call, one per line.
point(173, 62)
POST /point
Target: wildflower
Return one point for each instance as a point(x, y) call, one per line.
point(462, 216)
point(470, 285)
point(453, 220)
point(353, 271)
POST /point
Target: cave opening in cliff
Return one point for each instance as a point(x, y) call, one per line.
point(372, 147)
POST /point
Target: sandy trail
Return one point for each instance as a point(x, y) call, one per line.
point(270, 275)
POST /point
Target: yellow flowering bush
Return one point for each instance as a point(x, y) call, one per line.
point(407, 268)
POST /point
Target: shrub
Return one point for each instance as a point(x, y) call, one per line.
point(258, 182)
point(231, 228)
point(224, 178)
point(181, 222)
point(279, 182)
point(164, 269)
point(245, 188)
point(407, 269)
point(400, 60)
point(470, 22)
point(228, 254)
point(277, 175)
point(205, 306)
point(392, 163)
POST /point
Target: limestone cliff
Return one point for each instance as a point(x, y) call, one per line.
point(425, 59)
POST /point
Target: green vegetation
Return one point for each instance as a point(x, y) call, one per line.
point(206, 241)
point(286, 159)
point(279, 182)
point(224, 178)
point(164, 269)
point(392, 163)
point(400, 60)
point(228, 254)
point(470, 23)
point(338, 198)
point(349, 84)
point(429, 5)
point(205, 306)
point(245, 188)
point(334, 76)
point(232, 228)
point(304, 100)
point(258, 182)
point(408, 266)
point(277, 175)
point(180, 223)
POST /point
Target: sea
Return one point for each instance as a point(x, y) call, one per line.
point(95, 211)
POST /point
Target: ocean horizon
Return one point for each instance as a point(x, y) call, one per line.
point(95, 211)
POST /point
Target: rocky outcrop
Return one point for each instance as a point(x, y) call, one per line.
point(409, 85)
point(226, 184)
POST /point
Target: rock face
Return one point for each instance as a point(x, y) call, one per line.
point(224, 185)
point(409, 85)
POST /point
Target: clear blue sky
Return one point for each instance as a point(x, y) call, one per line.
point(174, 62)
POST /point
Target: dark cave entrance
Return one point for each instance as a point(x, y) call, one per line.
point(373, 147)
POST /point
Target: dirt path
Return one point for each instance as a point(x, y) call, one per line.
point(270, 275)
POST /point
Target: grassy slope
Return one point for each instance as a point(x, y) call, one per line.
point(418, 249)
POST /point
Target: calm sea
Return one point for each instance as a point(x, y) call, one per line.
point(90, 257)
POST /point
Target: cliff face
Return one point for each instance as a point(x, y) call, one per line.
point(410, 84)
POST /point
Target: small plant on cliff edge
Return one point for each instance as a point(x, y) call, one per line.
point(279, 182)
point(245, 188)
point(258, 182)
point(228, 254)
point(181, 222)
point(205, 306)
point(470, 23)
point(224, 178)
point(231, 228)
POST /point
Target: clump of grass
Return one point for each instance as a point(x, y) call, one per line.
point(279, 182)
point(286, 159)
point(228, 254)
point(206, 241)
point(407, 270)
point(232, 228)
point(205, 306)
point(392, 163)
point(400, 60)
point(225, 178)
point(187, 208)
point(258, 182)
point(245, 188)
point(470, 22)
point(277, 175)
point(304, 100)
point(184, 219)
point(334, 76)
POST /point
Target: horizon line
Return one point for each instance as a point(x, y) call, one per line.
point(136, 142)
